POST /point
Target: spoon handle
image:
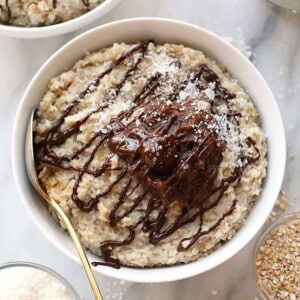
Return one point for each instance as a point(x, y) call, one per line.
point(80, 250)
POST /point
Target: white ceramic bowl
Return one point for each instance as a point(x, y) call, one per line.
point(61, 28)
point(161, 30)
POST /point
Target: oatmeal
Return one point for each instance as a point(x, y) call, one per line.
point(153, 151)
point(31, 13)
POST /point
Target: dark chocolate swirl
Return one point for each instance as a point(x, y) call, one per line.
point(6, 8)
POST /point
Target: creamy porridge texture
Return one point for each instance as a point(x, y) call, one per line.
point(43, 12)
point(153, 151)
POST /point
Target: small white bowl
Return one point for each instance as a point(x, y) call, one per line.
point(161, 30)
point(275, 225)
point(60, 28)
point(52, 273)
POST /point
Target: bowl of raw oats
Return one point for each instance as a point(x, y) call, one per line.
point(277, 259)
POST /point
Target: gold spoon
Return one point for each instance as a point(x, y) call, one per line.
point(31, 171)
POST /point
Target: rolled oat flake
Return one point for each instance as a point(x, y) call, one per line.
point(278, 262)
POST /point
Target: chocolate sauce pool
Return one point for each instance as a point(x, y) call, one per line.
point(170, 151)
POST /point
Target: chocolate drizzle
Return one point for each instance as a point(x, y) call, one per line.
point(8, 11)
point(6, 8)
point(170, 153)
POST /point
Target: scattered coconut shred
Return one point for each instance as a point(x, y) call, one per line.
point(278, 263)
point(26, 283)
point(239, 41)
point(116, 290)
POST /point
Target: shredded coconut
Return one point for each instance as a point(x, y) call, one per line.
point(163, 64)
point(239, 41)
point(116, 290)
point(210, 93)
point(26, 283)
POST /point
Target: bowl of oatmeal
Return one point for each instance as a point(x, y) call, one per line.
point(40, 19)
point(166, 155)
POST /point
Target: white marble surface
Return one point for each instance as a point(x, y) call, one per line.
point(274, 39)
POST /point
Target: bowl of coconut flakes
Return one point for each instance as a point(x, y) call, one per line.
point(27, 281)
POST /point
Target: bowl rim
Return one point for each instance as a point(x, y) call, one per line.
point(59, 28)
point(29, 264)
point(184, 270)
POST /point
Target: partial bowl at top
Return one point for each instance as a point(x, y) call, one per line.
point(162, 31)
point(59, 28)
